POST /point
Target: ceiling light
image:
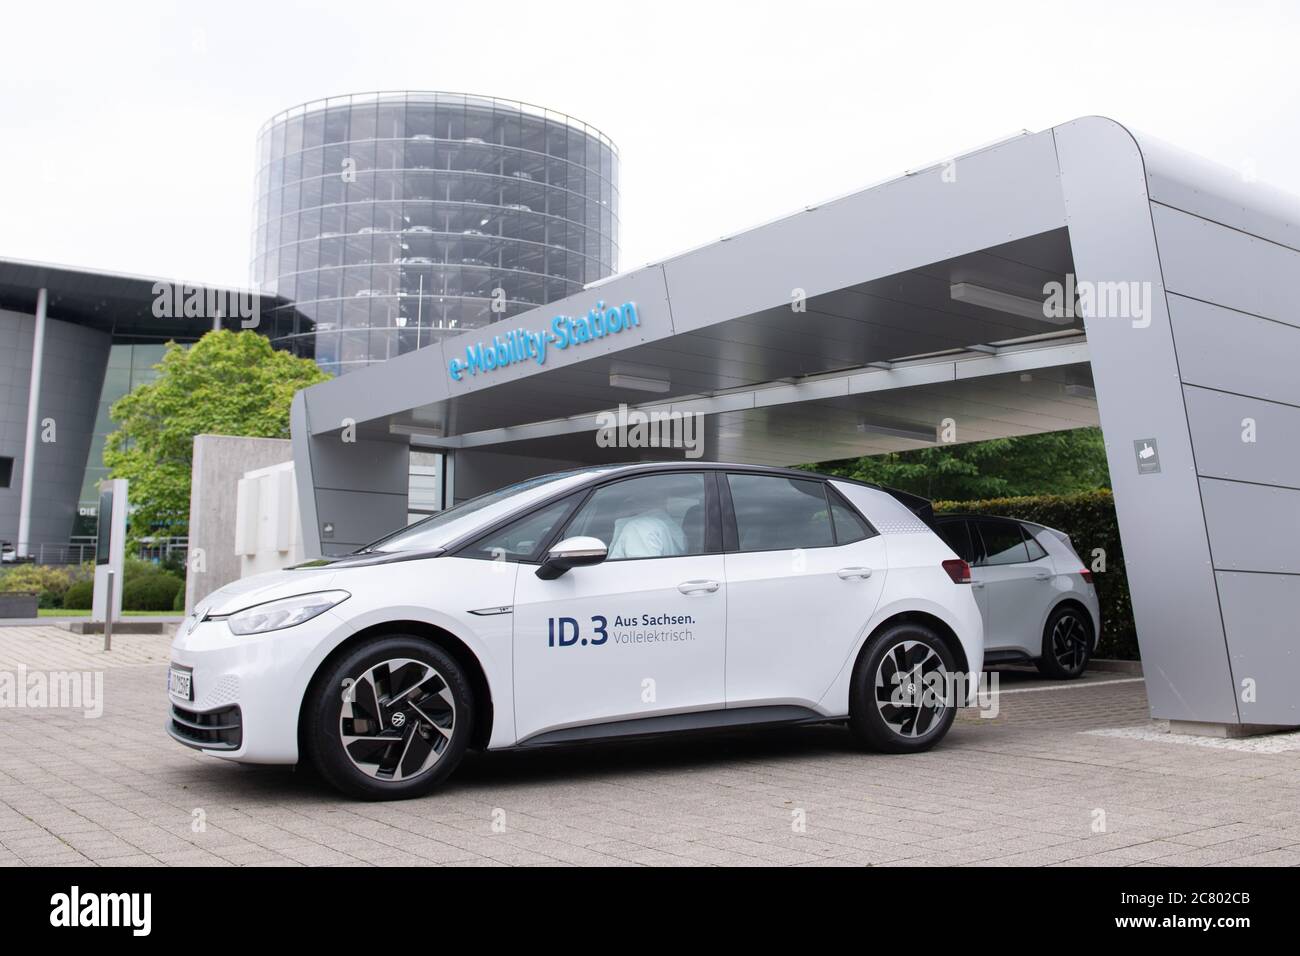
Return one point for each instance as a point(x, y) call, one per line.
point(1006, 302)
point(912, 433)
point(638, 383)
point(416, 431)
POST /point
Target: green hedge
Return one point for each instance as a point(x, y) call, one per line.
point(1089, 520)
point(151, 592)
point(79, 596)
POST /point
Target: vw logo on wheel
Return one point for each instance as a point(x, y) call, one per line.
point(398, 719)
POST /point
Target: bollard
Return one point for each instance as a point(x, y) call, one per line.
point(108, 615)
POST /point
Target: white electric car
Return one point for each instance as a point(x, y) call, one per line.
point(602, 603)
point(1035, 594)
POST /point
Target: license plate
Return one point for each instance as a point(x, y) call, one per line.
point(180, 683)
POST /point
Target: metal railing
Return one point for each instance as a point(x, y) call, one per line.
point(83, 551)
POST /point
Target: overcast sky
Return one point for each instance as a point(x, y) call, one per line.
point(129, 127)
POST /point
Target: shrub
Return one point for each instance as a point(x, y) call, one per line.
point(79, 596)
point(150, 592)
point(39, 579)
point(1089, 520)
point(179, 603)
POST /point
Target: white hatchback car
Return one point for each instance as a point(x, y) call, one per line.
point(609, 602)
point(1035, 593)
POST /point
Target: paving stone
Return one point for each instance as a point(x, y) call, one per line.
point(1031, 787)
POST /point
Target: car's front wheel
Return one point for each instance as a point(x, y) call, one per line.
point(1067, 643)
point(389, 719)
point(903, 698)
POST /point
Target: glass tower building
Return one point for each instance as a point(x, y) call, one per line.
point(386, 221)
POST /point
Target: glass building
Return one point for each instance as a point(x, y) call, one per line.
point(386, 221)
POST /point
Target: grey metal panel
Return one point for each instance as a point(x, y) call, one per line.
point(1233, 352)
point(358, 487)
point(304, 475)
point(1218, 423)
point(1213, 191)
point(1204, 260)
point(358, 517)
point(1003, 193)
point(75, 361)
point(1167, 555)
point(1259, 611)
point(1252, 527)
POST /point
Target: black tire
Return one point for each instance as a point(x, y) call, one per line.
point(1067, 643)
point(888, 727)
point(397, 687)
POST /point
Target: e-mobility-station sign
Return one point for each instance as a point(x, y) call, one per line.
point(564, 332)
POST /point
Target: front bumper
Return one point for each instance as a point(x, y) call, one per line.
point(247, 691)
point(215, 730)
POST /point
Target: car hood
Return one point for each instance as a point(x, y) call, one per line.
point(270, 586)
point(320, 574)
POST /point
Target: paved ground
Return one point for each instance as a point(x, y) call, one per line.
point(1064, 775)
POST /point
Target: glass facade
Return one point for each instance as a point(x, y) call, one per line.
point(387, 221)
point(128, 366)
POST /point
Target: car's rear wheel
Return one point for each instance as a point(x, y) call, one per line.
point(903, 698)
point(389, 719)
point(1067, 643)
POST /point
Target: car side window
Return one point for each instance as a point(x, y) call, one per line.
point(774, 513)
point(850, 526)
point(956, 535)
point(523, 538)
point(1036, 550)
point(654, 516)
point(1003, 541)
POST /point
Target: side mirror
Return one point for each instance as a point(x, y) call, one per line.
point(571, 553)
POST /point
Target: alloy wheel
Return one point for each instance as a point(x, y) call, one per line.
point(1070, 642)
point(397, 719)
point(911, 688)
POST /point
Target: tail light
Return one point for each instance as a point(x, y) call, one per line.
point(1086, 575)
point(958, 570)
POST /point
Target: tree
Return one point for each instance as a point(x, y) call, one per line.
point(227, 383)
point(1052, 463)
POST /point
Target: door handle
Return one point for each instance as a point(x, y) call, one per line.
point(847, 573)
point(977, 584)
point(1042, 575)
point(698, 587)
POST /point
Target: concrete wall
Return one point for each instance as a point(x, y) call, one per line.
point(219, 463)
point(72, 379)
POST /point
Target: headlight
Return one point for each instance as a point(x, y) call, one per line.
point(286, 612)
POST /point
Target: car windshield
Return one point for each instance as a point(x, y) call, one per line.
point(438, 530)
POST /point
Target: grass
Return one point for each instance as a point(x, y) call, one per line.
point(65, 612)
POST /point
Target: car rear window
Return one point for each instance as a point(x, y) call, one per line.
point(956, 535)
point(1004, 543)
